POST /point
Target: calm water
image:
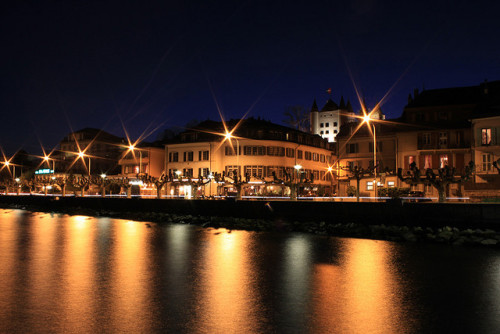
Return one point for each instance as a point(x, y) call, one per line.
point(76, 274)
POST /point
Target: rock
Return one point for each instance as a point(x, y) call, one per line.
point(489, 242)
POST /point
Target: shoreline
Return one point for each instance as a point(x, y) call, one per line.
point(399, 233)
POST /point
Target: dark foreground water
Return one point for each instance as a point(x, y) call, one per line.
point(76, 274)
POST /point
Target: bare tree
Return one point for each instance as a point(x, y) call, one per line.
point(441, 181)
point(297, 117)
point(358, 173)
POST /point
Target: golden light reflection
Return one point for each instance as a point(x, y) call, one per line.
point(79, 262)
point(228, 305)
point(364, 289)
point(131, 279)
point(9, 237)
point(42, 262)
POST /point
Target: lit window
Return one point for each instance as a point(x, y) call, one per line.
point(369, 185)
point(485, 136)
point(443, 160)
point(427, 161)
point(390, 184)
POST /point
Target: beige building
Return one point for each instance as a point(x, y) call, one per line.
point(265, 155)
point(438, 128)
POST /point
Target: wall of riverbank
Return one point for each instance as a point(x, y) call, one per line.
point(434, 215)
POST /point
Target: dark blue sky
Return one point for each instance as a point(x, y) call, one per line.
point(95, 63)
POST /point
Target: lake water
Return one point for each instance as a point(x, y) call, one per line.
point(77, 274)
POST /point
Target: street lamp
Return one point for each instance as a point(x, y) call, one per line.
point(131, 148)
point(229, 136)
point(47, 160)
point(367, 118)
point(83, 155)
point(7, 164)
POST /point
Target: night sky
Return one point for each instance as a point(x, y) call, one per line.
point(147, 64)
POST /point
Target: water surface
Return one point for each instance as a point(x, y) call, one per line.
point(77, 274)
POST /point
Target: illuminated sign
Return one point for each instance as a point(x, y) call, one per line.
point(45, 171)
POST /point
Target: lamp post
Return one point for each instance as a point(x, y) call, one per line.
point(229, 136)
point(367, 118)
point(47, 160)
point(295, 194)
point(132, 148)
point(375, 165)
point(82, 156)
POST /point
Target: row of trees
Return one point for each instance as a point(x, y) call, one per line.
point(440, 180)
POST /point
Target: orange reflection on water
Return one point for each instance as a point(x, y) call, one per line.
point(9, 230)
point(227, 305)
point(131, 279)
point(360, 295)
point(43, 261)
point(78, 276)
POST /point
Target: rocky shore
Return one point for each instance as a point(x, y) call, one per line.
point(446, 234)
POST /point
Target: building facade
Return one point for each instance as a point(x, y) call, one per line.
point(265, 155)
point(100, 152)
point(327, 121)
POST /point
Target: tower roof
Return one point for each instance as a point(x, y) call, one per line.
point(330, 105)
point(314, 106)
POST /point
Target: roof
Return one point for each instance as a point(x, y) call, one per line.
point(483, 95)
point(251, 128)
point(330, 105)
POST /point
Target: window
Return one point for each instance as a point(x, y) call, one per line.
point(443, 160)
point(369, 185)
point(276, 151)
point(321, 125)
point(427, 161)
point(485, 136)
point(390, 184)
point(315, 157)
point(188, 156)
point(308, 155)
point(231, 169)
point(411, 159)
point(334, 123)
point(352, 148)
point(322, 158)
point(299, 154)
point(173, 157)
point(254, 150)
point(426, 138)
point(443, 139)
point(202, 155)
point(321, 132)
point(486, 165)
point(187, 172)
point(290, 152)
point(327, 131)
point(230, 150)
point(255, 171)
point(327, 124)
point(203, 172)
point(335, 131)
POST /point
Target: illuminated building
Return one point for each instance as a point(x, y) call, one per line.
point(101, 148)
point(327, 121)
point(438, 128)
point(257, 150)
